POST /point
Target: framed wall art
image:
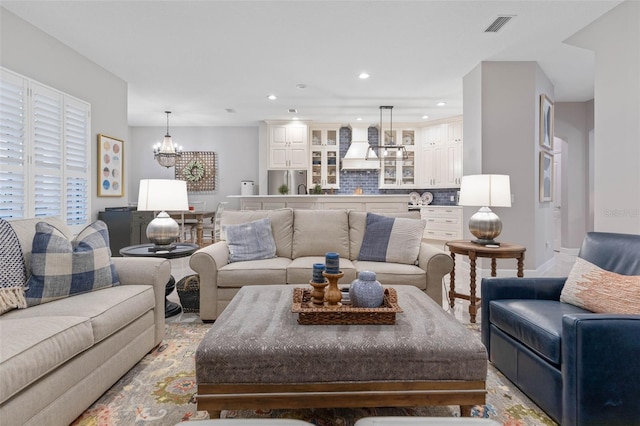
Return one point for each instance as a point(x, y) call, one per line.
point(546, 177)
point(546, 122)
point(198, 168)
point(110, 166)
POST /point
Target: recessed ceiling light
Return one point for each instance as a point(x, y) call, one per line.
point(441, 103)
point(295, 118)
point(363, 76)
point(359, 119)
point(424, 117)
point(272, 97)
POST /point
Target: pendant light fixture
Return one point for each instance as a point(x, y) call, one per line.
point(166, 152)
point(388, 149)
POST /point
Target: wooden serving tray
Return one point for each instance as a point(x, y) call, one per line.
point(310, 314)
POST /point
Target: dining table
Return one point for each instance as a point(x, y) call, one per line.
point(198, 216)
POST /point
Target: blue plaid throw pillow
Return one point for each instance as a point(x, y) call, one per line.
point(62, 268)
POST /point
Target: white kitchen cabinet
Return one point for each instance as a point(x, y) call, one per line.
point(441, 156)
point(398, 170)
point(288, 146)
point(454, 132)
point(325, 157)
point(443, 222)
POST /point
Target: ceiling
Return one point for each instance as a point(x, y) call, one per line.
point(202, 58)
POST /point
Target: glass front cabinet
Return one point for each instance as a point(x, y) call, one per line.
point(398, 164)
point(325, 155)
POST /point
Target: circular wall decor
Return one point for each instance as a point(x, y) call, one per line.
point(194, 171)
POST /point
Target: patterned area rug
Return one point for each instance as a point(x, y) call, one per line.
point(160, 390)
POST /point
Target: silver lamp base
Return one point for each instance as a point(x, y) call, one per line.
point(485, 225)
point(163, 231)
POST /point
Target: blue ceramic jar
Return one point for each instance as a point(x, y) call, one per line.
point(366, 291)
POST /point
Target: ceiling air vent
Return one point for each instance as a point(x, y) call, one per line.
point(293, 110)
point(498, 24)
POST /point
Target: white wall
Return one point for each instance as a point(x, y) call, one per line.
point(236, 148)
point(615, 38)
point(506, 115)
point(34, 54)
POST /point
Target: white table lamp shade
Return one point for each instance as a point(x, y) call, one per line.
point(485, 190)
point(163, 194)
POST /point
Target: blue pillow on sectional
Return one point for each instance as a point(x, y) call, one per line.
point(389, 239)
point(250, 241)
point(62, 268)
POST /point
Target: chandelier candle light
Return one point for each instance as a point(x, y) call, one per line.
point(166, 153)
point(162, 195)
point(485, 191)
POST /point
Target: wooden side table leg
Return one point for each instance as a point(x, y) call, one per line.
point(452, 283)
point(493, 266)
point(521, 266)
point(472, 294)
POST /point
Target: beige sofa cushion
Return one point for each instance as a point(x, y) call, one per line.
point(395, 273)
point(108, 310)
point(316, 232)
point(281, 225)
point(254, 272)
point(358, 223)
point(32, 347)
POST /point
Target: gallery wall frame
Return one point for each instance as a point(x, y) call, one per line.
point(546, 177)
point(110, 166)
point(546, 122)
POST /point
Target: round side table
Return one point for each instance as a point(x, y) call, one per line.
point(474, 251)
point(147, 250)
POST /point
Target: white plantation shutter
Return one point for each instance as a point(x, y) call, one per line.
point(13, 94)
point(77, 162)
point(44, 152)
point(47, 151)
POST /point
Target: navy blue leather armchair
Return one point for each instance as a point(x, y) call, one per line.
point(580, 367)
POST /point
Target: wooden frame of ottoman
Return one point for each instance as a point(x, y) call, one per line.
point(217, 397)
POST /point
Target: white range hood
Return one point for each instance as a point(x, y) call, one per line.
point(360, 155)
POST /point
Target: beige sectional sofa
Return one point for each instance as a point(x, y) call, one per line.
point(302, 238)
point(57, 358)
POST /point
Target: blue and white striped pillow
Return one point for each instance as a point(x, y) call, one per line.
point(62, 268)
point(389, 239)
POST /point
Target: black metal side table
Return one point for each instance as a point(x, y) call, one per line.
point(146, 250)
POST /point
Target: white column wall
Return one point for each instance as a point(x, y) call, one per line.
point(507, 117)
point(615, 39)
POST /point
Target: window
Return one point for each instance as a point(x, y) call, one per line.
point(44, 152)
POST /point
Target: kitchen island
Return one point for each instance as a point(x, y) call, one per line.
point(368, 203)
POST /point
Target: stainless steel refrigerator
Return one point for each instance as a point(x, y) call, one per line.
point(296, 181)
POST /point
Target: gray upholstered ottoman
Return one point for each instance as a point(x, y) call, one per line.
point(256, 355)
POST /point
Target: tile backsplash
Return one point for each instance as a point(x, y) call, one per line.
point(368, 179)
